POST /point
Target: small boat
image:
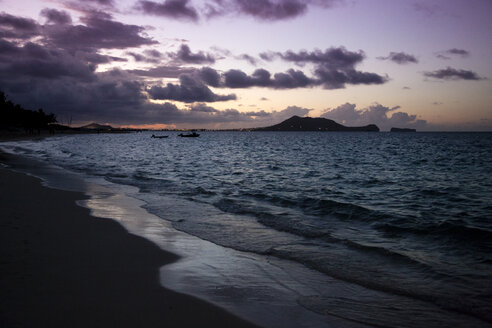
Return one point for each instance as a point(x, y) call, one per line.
point(191, 135)
point(159, 137)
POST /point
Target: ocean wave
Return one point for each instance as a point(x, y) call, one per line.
point(459, 230)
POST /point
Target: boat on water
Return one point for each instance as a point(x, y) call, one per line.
point(190, 135)
point(158, 137)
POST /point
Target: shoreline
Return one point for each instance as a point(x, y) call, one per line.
point(265, 290)
point(62, 267)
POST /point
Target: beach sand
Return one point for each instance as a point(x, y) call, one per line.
point(62, 267)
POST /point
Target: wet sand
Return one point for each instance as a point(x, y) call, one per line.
point(62, 267)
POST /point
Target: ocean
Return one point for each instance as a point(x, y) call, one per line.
point(348, 229)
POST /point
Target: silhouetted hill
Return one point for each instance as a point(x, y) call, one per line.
point(296, 123)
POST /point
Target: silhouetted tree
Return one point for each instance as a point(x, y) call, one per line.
point(14, 116)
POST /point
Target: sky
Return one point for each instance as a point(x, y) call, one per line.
point(249, 63)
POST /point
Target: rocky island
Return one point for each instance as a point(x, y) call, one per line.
point(296, 123)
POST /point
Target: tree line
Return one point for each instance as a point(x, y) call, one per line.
point(15, 116)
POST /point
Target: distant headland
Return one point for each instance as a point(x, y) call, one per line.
point(296, 123)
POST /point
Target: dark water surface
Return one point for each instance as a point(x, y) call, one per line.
point(405, 214)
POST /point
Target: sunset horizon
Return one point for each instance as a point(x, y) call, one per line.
point(244, 64)
point(246, 163)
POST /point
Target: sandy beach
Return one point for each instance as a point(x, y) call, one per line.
point(61, 267)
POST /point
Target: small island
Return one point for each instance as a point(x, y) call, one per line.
point(296, 123)
point(402, 130)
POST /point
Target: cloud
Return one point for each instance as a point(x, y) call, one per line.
point(459, 52)
point(453, 52)
point(336, 79)
point(271, 10)
point(184, 55)
point(14, 27)
point(162, 71)
point(176, 9)
point(334, 67)
point(56, 16)
point(265, 10)
point(149, 56)
point(35, 61)
point(400, 58)
point(235, 78)
point(425, 8)
point(450, 73)
point(250, 59)
point(189, 90)
point(210, 76)
point(99, 32)
point(102, 2)
point(262, 78)
point(333, 58)
point(378, 114)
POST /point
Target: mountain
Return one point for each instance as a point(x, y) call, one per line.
point(95, 126)
point(296, 123)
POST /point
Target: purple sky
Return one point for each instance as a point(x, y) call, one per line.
point(247, 63)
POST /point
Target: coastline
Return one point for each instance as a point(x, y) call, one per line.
point(62, 267)
point(266, 290)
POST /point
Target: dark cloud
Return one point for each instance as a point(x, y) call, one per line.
point(331, 58)
point(334, 67)
point(189, 90)
point(400, 58)
point(268, 56)
point(262, 78)
point(450, 73)
point(266, 10)
point(349, 115)
point(35, 61)
point(153, 53)
point(149, 56)
point(210, 76)
point(185, 55)
point(238, 79)
point(56, 16)
point(272, 10)
point(336, 79)
point(177, 9)
point(460, 52)
point(96, 58)
point(102, 2)
point(250, 59)
point(291, 79)
point(453, 52)
point(14, 27)
point(99, 32)
point(8, 48)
